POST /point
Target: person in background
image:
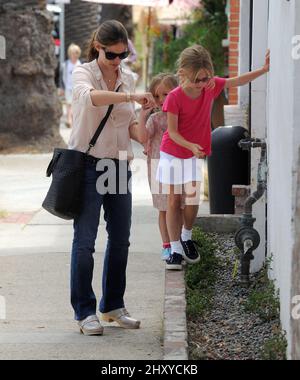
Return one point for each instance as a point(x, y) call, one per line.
point(74, 53)
point(129, 62)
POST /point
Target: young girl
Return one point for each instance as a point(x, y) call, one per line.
point(152, 130)
point(187, 141)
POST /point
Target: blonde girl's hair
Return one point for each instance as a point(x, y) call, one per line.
point(74, 49)
point(168, 79)
point(193, 59)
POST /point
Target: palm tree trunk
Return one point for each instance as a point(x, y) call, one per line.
point(29, 107)
point(122, 13)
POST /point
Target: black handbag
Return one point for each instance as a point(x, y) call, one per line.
point(67, 168)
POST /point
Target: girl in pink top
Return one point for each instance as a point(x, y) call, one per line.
point(188, 141)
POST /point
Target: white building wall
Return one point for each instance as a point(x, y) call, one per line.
point(283, 141)
point(244, 52)
point(259, 119)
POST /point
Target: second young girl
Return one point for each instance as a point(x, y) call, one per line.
point(187, 141)
point(153, 124)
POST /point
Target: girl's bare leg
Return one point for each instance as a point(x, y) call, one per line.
point(174, 213)
point(192, 200)
point(162, 221)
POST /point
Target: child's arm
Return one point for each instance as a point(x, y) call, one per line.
point(178, 139)
point(138, 132)
point(249, 77)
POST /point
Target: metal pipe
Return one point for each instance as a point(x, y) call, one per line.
point(261, 177)
point(247, 238)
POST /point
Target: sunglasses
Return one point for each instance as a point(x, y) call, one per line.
point(203, 80)
point(111, 56)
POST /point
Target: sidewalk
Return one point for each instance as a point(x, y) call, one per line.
point(35, 266)
point(34, 274)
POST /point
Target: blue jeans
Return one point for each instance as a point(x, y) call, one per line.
point(117, 214)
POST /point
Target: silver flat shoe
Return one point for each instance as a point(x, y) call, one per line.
point(122, 317)
point(90, 326)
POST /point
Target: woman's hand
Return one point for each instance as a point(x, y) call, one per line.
point(197, 150)
point(266, 66)
point(146, 100)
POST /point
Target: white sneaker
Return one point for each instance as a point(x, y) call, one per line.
point(91, 326)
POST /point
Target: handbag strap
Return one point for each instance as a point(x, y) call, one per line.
point(101, 126)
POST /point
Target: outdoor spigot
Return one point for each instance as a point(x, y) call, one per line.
point(247, 144)
point(247, 240)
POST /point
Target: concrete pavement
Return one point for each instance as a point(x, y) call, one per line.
point(35, 266)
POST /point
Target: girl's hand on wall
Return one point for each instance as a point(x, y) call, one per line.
point(267, 62)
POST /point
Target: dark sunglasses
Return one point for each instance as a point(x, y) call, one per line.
point(203, 80)
point(111, 56)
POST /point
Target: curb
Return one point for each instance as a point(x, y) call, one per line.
point(175, 327)
point(219, 223)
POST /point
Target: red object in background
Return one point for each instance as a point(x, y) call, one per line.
point(57, 42)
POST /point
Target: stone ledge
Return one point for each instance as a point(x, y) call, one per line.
point(175, 327)
point(219, 223)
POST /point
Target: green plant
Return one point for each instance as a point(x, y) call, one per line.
point(264, 302)
point(200, 278)
point(263, 298)
point(207, 28)
point(275, 347)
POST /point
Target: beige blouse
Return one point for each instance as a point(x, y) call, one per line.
point(86, 117)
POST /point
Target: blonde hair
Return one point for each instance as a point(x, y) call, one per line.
point(74, 49)
point(194, 59)
point(168, 79)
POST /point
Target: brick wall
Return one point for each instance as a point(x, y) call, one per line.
point(234, 31)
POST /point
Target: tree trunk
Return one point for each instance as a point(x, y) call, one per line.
point(29, 107)
point(122, 13)
point(81, 20)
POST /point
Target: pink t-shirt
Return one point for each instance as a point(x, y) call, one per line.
point(194, 119)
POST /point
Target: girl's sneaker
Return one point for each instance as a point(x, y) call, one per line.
point(174, 262)
point(190, 252)
point(165, 253)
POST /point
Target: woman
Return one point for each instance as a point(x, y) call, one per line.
point(94, 89)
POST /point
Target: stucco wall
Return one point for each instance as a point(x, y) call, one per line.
point(284, 142)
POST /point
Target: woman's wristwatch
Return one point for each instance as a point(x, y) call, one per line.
point(128, 97)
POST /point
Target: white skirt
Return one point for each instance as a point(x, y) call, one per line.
point(178, 171)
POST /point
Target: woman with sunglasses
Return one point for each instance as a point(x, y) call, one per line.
point(97, 84)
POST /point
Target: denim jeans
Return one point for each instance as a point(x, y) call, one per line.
point(117, 214)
